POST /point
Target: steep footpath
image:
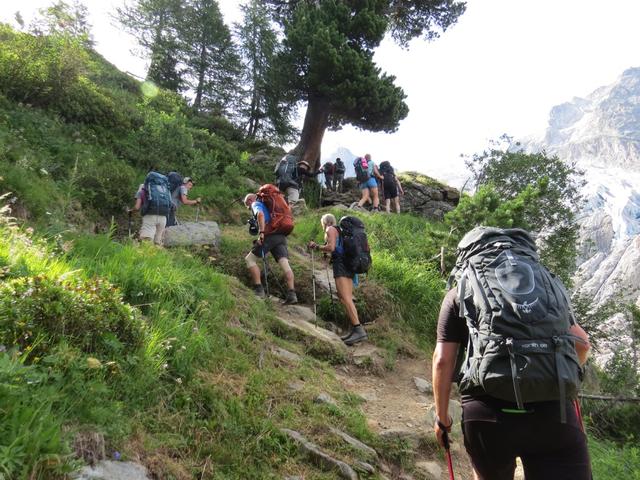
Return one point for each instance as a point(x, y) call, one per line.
point(395, 397)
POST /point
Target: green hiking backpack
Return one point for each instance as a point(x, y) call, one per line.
point(519, 315)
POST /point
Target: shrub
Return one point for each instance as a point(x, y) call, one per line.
point(39, 70)
point(37, 312)
point(105, 185)
point(612, 462)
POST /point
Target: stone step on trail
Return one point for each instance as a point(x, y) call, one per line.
point(299, 323)
point(321, 458)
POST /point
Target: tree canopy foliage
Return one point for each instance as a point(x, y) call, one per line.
point(327, 60)
point(528, 190)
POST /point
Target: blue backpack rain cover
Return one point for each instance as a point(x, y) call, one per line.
point(158, 195)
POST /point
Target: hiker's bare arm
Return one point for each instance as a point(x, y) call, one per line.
point(330, 245)
point(376, 173)
point(582, 346)
point(186, 201)
point(138, 204)
point(443, 365)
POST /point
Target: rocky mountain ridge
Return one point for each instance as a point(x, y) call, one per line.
point(601, 135)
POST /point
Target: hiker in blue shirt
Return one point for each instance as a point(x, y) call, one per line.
point(274, 243)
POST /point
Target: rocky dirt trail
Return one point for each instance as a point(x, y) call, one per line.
point(399, 406)
point(397, 402)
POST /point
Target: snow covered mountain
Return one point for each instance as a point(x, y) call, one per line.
point(346, 156)
point(601, 133)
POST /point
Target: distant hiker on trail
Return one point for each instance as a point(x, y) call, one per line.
point(289, 176)
point(153, 200)
point(275, 222)
point(345, 267)
point(391, 187)
point(338, 175)
point(286, 172)
point(328, 169)
point(366, 174)
point(524, 351)
point(180, 196)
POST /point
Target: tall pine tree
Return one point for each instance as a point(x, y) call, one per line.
point(211, 60)
point(265, 113)
point(327, 60)
point(155, 23)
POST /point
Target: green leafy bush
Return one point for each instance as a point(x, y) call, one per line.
point(612, 462)
point(37, 69)
point(38, 312)
point(107, 185)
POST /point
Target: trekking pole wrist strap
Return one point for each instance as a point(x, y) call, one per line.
point(442, 425)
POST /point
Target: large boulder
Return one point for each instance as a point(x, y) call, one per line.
point(193, 233)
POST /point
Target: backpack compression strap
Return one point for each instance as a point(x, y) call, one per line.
point(514, 373)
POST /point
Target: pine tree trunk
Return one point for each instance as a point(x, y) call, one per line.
point(316, 120)
point(201, 72)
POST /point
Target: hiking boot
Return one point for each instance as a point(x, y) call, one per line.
point(291, 298)
point(357, 335)
point(259, 291)
point(348, 334)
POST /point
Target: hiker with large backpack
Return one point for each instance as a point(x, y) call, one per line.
point(347, 243)
point(520, 376)
point(366, 174)
point(180, 195)
point(275, 221)
point(328, 169)
point(338, 174)
point(290, 175)
point(391, 187)
point(153, 201)
point(286, 172)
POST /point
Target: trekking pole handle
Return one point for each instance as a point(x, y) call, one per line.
point(445, 433)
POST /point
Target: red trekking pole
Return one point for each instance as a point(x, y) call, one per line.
point(445, 439)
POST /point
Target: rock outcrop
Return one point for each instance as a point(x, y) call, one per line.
point(193, 233)
point(422, 195)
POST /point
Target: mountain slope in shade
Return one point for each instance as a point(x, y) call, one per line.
point(346, 156)
point(601, 134)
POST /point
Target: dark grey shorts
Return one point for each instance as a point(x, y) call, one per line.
point(275, 243)
point(339, 268)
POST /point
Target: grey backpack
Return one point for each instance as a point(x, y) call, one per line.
point(519, 315)
point(287, 172)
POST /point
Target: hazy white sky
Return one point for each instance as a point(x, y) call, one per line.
point(499, 70)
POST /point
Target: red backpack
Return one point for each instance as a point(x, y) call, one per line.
point(279, 210)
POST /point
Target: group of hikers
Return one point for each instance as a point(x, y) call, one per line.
point(506, 334)
point(506, 331)
point(158, 199)
point(373, 181)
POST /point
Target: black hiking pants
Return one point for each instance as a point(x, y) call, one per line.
point(549, 449)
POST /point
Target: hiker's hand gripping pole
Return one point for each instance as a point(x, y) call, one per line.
point(442, 434)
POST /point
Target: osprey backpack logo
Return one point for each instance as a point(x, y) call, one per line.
point(526, 307)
